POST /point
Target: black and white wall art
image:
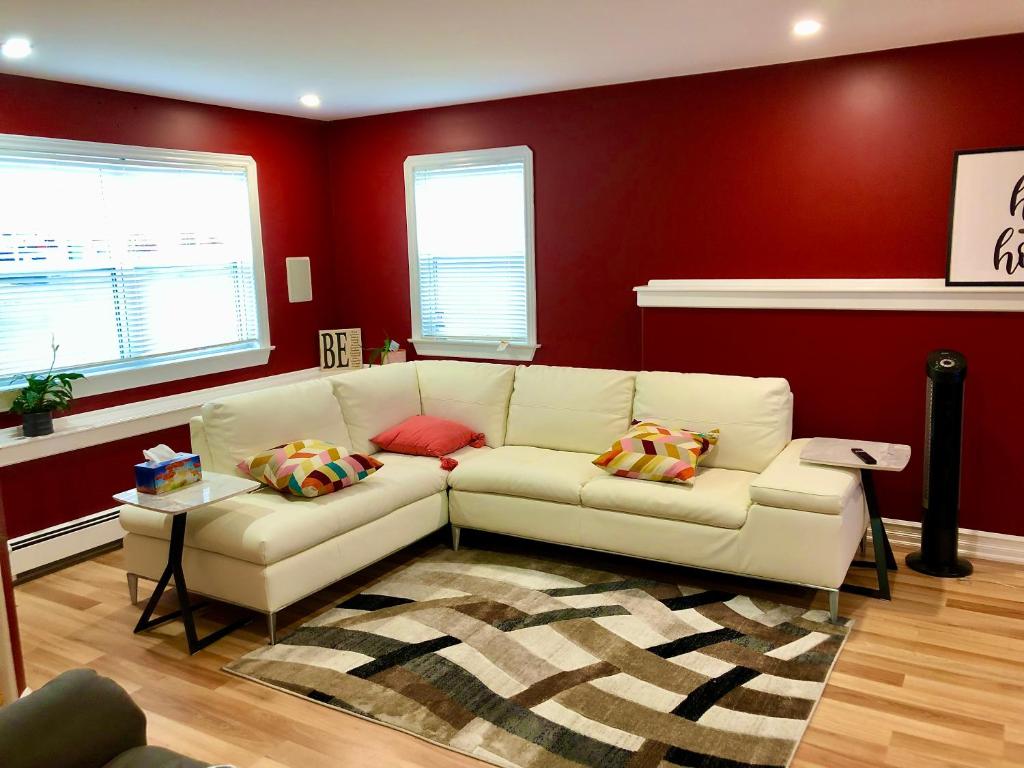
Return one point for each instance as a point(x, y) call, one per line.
point(986, 229)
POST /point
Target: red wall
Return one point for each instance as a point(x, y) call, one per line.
point(831, 168)
point(290, 155)
point(293, 188)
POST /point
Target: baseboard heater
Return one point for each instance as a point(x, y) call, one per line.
point(39, 550)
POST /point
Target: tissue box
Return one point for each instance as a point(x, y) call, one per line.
point(166, 476)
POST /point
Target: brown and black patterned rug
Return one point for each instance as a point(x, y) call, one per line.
point(525, 662)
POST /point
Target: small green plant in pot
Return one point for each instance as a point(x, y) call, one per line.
point(383, 352)
point(41, 396)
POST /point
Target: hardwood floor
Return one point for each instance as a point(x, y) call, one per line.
point(935, 678)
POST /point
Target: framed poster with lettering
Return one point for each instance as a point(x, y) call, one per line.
point(341, 349)
point(986, 218)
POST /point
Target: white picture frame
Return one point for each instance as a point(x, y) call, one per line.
point(986, 219)
point(340, 349)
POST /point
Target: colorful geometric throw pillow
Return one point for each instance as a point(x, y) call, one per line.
point(309, 468)
point(652, 451)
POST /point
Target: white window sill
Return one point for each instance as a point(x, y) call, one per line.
point(82, 430)
point(157, 372)
point(477, 350)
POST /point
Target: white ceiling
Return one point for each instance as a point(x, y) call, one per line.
point(373, 56)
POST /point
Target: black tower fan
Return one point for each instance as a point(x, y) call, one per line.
point(946, 371)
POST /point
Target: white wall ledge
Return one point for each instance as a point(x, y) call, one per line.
point(906, 295)
point(105, 425)
point(475, 349)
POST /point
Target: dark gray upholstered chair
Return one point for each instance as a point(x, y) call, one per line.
point(80, 720)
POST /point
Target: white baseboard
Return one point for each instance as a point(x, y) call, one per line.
point(35, 550)
point(981, 544)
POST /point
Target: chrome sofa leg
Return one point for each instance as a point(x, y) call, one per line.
point(833, 605)
point(455, 537)
point(133, 588)
point(272, 628)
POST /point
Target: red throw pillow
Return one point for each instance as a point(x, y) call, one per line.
point(429, 436)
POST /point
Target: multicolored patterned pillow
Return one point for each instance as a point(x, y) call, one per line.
point(652, 451)
point(309, 468)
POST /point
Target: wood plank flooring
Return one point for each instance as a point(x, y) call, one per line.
point(933, 679)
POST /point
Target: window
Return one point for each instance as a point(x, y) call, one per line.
point(470, 217)
point(143, 265)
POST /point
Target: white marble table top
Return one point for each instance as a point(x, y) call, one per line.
point(891, 457)
point(212, 488)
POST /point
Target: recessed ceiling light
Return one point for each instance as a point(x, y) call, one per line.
point(16, 47)
point(310, 100)
point(806, 28)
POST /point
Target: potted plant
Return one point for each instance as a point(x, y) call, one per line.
point(41, 396)
point(388, 352)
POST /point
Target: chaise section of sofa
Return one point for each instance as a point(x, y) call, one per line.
point(266, 550)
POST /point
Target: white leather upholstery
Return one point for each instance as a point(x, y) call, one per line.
point(473, 394)
point(431, 464)
point(197, 436)
point(782, 544)
point(790, 483)
point(530, 518)
point(569, 409)
point(239, 426)
point(268, 526)
point(717, 497)
point(537, 473)
point(373, 399)
point(273, 587)
point(755, 416)
point(754, 508)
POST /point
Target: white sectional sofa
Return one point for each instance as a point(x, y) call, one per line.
point(753, 509)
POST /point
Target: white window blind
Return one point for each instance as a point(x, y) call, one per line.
point(124, 263)
point(471, 249)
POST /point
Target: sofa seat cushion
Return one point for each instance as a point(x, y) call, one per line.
point(717, 497)
point(429, 463)
point(534, 473)
point(788, 483)
point(266, 526)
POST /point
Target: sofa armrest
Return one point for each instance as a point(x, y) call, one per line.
point(789, 483)
point(77, 720)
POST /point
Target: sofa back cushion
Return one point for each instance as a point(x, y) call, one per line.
point(239, 426)
point(569, 409)
point(755, 416)
point(473, 394)
point(373, 399)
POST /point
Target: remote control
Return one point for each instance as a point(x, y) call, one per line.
point(864, 456)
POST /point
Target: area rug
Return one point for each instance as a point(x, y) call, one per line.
point(526, 662)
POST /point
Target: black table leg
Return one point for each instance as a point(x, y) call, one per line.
point(186, 608)
point(884, 560)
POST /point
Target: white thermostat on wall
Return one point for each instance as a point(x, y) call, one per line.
point(300, 284)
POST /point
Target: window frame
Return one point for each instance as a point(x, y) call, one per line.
point(173, 366)
point(470, 347)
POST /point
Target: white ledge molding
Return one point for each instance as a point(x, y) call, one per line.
point(106, 425)
point(904, 295)
point(475, 349)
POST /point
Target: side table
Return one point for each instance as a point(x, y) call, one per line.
point(212, 488)
point(891, 457)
